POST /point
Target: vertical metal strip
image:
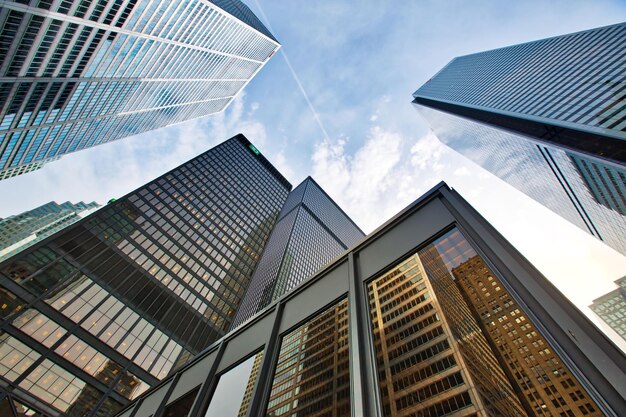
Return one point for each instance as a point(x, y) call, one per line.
point(364, 394)
point(204, 395)
point(270, 357)
point(159, 411)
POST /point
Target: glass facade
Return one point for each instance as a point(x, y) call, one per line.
point(111, 304)
point(566, 90)
point(312, 376)
point(234, 389)
point(25, 229)
point(546, 116)
point(587, 191)
point(611, 308)
point(413, 321)
point(449, 337)
point(310, 232)
point(81, 73)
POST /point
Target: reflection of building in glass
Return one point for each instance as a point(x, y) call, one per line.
point(611, 308)
point(247, 395)
point(547, 117)
point(412, 322)
point(107, 306)
point(25, 229)
point(534, 368)
point(426, 337)
point(234, 389)
point(310, 232)
point(76, 74)
point(312, 374)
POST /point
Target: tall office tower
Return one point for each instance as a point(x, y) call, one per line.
point(23, 230)
point(95, 314)
point(310, 232)
point(611, 308)
point(75, 74)
point(432, 315)
point(548, 118)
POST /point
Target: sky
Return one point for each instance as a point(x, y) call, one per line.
point(335, 103)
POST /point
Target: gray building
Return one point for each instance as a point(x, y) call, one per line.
point(25, 229)
point(311, 231)
point(611, 308)
point(76, 74)
point(97, 313)
point(433, 314)
point(548, 118)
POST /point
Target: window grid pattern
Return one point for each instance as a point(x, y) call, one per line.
point(311, 231)
point(611, 308)
point(81, 75)
point(147, 280)
point(584, 190)
point(312, 376)
point(25, 229)
point(575, 78)
point(546, 384)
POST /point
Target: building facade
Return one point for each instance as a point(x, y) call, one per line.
point(547, 117)
point(25, 229)
point(611, 308)
point(310, 232)
point(97, 313)
point(76, 74)
point(434, 314)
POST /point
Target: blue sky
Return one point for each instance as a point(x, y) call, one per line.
point(359, 63)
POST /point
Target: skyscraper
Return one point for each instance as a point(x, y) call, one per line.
point(76, 74)
point(310, 232)
point(611, 308)
point(95, 314)
point(432, 315)
point(547, 117)
point(25, 229)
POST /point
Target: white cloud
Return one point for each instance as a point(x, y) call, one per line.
point(461, 172)
point(380, 178)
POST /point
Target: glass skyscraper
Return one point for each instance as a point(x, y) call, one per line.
point(97, 313)
point(310, 232)
point(25, 229)
point(547, 117)
point(75, 74)
point(432, 315)
point(611, 308)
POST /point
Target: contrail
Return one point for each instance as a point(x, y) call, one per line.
point(295, 76)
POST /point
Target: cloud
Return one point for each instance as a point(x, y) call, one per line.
point(380, 177)
point(461, 172)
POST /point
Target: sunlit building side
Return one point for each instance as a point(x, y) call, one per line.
point(76, 74)
point(548, 118)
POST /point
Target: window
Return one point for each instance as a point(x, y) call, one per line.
point(182, 406)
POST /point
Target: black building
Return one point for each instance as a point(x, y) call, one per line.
point(311, 231)
point(97, 313)
point(434, 314)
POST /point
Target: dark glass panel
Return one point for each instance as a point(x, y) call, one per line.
point(9, 303)
point(182, 406)
point(5, 407)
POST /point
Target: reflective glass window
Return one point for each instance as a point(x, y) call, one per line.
point(312, 375)
point(234, 389)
